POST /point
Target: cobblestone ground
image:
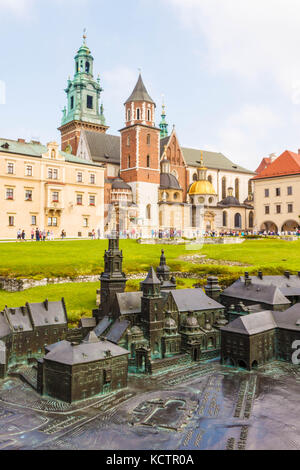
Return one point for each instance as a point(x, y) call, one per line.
point(205, 406)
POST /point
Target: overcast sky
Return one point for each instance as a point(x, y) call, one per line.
point(229, 69)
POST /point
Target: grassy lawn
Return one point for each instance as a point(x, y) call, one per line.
point(73, 258)
point(80, 298)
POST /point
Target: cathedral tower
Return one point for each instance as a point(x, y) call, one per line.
point(113, 280)
point(140, 155)
point(83, 110)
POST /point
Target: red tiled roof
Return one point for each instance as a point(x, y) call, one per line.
point(263, 165)
point(288, 163)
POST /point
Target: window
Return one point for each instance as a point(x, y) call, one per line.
point(10, 168)
point(85, 222)
point(148, 212)
point(89, 102)
point(209, 178)
point(249, 188)
point(53, 154)
point(87, 67)
point(55, 174)
point(224, 219)
point(267, 192)
point(33, 220)
point(55, 196)
point(290, 208)
point(267, 209)
point(149, 115)
point(92, 200)
point(290, 190)
point(237, 221)
point(148, 161)
point(72, 99)
point(28, 195)
point(9, 193)
point(28, 170)
point(237, 188)
point(52, 222)
point(277, 191)
point(50, 173)
point(128, 141)
point(92, 178)
point(128, 161)
point(138, 114)
point(128, 115)
point(11, 221)
point(79, 199)
point(79, 177)
point(278, 209)
point(223, 187)
point(148, 139)
point(251, 219)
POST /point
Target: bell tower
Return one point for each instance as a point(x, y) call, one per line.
point(140, 155)
point(83, 110)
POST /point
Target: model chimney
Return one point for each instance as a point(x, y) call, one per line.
point(287, 274)
point(247, 279)
point(260, 274)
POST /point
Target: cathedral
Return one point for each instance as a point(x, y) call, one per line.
point(153, 185)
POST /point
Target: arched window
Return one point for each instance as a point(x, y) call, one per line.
point(237, 188)
point(148, 139)
point(87, 67)
point(77, 67)
point(223, 187)
point(224, 219)
point(251, 219)
point(148, 161)
point(209, 178)
point(129, 161)
point(138, 114)
point(149, 115)
point(237, 221)
point(148, 212)
point(52, 153)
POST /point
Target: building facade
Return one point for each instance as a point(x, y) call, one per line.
point(43, 187)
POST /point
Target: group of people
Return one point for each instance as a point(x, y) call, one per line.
point(38, 235)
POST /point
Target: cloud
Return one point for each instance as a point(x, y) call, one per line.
point(245, 133)
point(19, 8)
point(251, 39)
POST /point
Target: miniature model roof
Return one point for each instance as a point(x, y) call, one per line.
point(102, 326)
point(287, 285)
point(193, 300)
point(88, 322)
point(19, 319)
point(117, 330)
point(169, 181)
point(71, 353)
point(91, 338)
point(253, 323)
point(2, 353)
point(288, 163)
point(289, 319)
point(269, 294)
point(36, 149)
point(129, 302)
point(5, 329)
point(104, 148)
point(43, 313)
point(118, 183)
point(151, 277)
point(139, 93)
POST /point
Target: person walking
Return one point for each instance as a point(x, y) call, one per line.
point(37, 235)
point(23, 236)
point(19, 234)
point(32, 235)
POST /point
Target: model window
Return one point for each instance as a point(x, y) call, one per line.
point(10, 168)
point(11, 221)
point(79, 199)
point(9, 193)
point(29, 170)
point(290, 190)
point(28, 195)
point(277, 191)
point(79, 177)
point(89, 102)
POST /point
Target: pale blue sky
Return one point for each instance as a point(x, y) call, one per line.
point(229, 70)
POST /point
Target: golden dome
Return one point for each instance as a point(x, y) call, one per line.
point(202, 187)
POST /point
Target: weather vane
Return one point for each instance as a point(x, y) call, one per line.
point(84, 35)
